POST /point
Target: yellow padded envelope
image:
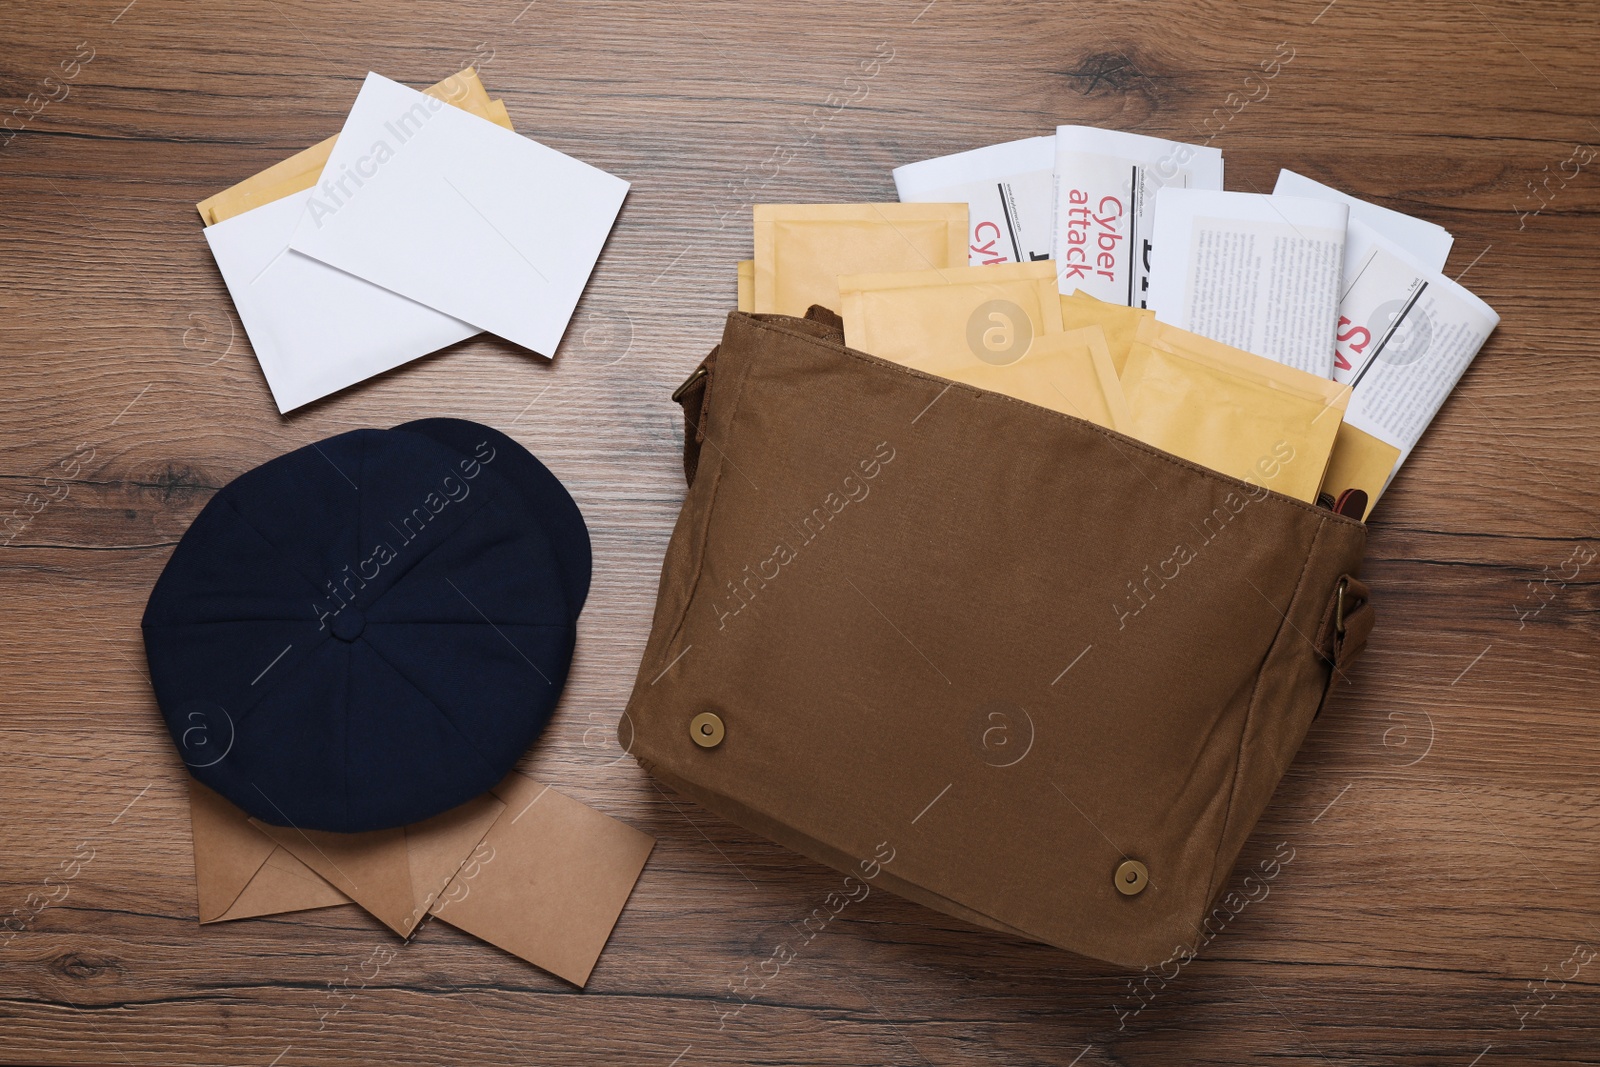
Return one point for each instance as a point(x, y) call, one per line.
point(1119, 322)
point(747, 285)
point(946, 320)
point(1360, 461)
point(1237, 413)
point(1067, 372)
point(802, 249)
point(301, 170)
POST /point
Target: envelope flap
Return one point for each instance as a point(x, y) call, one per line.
point(282, 884)
point(373, 869)
point(441, 846)
point(227, 851)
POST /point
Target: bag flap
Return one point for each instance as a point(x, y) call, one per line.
point(1023, 650)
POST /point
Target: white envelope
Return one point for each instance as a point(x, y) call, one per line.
point(316, 330)
point(465, 216)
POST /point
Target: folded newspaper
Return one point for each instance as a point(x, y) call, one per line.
point(1106, 184)
point(1009, 190)
point(1308, 276)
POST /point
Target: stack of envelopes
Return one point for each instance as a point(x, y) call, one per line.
point(898, 275)
point(1301, 341)
point(522, 867)
point(427, 220)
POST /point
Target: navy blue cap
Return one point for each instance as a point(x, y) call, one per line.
point(369, 630)
point(563, 523)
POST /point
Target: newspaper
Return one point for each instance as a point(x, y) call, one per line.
point(1406, 334)
point(1105, 184)
point(1009, 192)
point(1256, 272)
point(1426, 243)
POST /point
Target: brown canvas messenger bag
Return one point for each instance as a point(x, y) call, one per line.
point(995, 659)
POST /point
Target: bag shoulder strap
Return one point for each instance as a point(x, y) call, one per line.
point(694, 395)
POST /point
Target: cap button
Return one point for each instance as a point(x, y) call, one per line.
point(1131, 878)
point(706, 729)
point(348, 624)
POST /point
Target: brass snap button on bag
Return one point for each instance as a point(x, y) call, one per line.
point(707, 730)
point(1131, 878)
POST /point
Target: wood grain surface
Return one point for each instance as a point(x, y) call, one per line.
point(1444, 899)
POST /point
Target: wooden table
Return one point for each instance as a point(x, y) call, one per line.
point(1442, 905)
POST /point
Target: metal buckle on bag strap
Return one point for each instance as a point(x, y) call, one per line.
point(1338, 608)
point(689, 383)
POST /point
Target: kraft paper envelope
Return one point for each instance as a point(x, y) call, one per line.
point(554, 881)
point(523, 867)
point(301, 170)
point(802, 249)
point(240, 873)
point(398, 874)
point(244, 868)
point(450, 210)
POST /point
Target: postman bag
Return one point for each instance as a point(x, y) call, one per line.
point(995, 659)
